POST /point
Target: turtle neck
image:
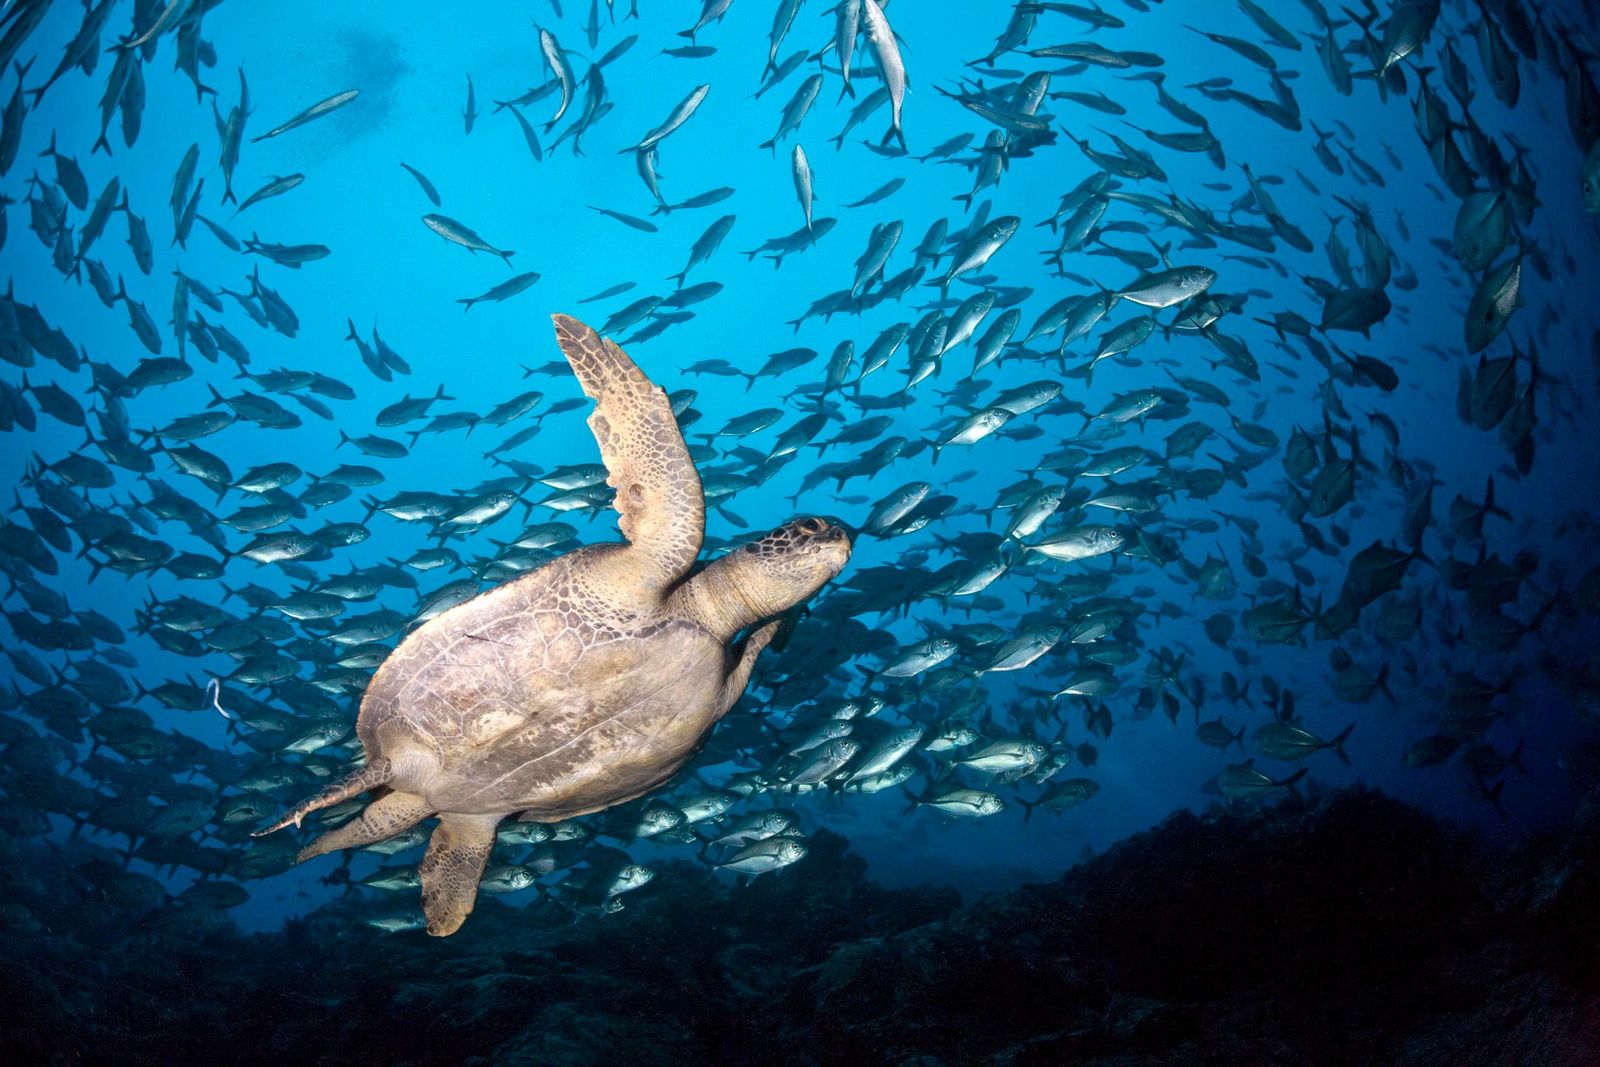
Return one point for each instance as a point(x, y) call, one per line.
point(723, 597)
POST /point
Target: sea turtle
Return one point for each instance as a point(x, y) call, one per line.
point(585, 683)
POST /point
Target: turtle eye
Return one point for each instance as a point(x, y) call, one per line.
point(812, 526)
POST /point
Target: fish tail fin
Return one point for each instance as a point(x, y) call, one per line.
point(1027, 809)
point(1337, 744)
point(1289, 782)
point(912, 800)
point(1492, 795)
point(1489, 506)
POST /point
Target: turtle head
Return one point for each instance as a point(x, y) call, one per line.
point(792, 562)
point(767, 577)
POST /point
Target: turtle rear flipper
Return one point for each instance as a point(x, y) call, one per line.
point(379, 771)
point(457, 853)
point(382, 819)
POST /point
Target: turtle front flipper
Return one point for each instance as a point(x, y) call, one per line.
point(457, 853)
point(749, 651)
point(382, 819)
point(658, 496)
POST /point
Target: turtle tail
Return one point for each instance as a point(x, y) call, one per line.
point(377, 772)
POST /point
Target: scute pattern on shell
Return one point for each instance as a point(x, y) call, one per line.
point(492, 656)
point(561, 692)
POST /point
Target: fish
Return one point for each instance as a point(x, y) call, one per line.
point(881, 193)
point(292, 256)
point(958, 803)
point(315, 111)
point(1059, 796)
point(1244, 781)
point(761, 857)
point(975, 252)
point(504, 291)
point(680, 114)
point(457, 233)
point(919, 657)
point(795, 111)
point(274, 187)
point(705, 246)
point(880, 35)
point(560, 72)
point(802, 182)
point(631, 221)
point(1290, 741)
point(427, 187)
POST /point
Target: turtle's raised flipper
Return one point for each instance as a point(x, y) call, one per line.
point(379, 771)
point(457, 852)
point(658, 494)
point(383, 818)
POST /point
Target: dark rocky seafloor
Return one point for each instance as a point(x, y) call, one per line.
point(1347, 929)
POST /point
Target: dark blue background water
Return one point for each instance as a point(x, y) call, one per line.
point(410, 61)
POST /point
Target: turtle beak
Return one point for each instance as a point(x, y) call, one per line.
point(838, 538)
point(840, 528)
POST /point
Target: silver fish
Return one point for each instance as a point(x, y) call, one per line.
point(315, 111)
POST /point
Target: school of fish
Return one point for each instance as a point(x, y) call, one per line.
point(1185, 344)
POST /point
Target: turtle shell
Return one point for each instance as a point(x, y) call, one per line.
point(553, 694)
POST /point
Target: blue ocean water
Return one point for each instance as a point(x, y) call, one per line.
point(1376, 210)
